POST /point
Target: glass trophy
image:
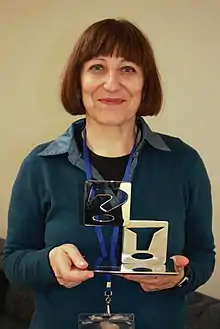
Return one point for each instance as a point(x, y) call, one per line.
point(142, 244)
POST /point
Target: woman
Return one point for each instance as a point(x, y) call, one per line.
point(113, 79)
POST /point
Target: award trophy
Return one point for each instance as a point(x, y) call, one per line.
point(108, 203)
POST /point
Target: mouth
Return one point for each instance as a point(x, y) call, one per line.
point(111, 101)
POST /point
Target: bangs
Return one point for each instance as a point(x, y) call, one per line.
point(118, 38)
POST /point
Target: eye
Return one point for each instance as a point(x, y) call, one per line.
point(96, 68)
point(128, 69)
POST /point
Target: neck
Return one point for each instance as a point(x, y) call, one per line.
point(110, 141)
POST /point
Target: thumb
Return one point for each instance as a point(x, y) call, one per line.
point(75, 256)
point(180, 262)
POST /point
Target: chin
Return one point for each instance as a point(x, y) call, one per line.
point(114, 122)
point(114, 119)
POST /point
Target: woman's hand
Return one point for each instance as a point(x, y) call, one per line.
point(69, 266)
point(161, 282)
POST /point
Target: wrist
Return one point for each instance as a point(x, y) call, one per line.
point(185, 278)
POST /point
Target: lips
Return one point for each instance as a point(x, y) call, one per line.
point(111, 101)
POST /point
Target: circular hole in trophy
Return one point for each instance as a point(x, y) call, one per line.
point(103, 218)
point(141, 269)
point(142, 255)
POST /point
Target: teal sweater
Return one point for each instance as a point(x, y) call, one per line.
point(169, 183)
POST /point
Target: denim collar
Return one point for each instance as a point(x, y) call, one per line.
point(66, 142)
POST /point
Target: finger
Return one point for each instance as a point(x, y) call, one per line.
point(75, 256)
point(180, 262)
point(150, 287)
point(76, 276)
point(68, 284)
point(72, 284)
point(156, 287)
point(79, 275)
point(63, 264)
point(141, 278)
point(66, 271)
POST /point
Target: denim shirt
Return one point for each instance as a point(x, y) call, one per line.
point(66, 143)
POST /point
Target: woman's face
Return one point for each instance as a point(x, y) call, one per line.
point(111, 89)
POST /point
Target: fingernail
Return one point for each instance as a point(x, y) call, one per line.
point(81, 263)
point(90, 275)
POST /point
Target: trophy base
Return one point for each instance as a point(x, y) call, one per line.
point(138, 269)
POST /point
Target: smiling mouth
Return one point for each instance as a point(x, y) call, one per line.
point(111, 101)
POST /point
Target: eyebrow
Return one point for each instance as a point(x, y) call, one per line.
point(103, 59)
point(99, 58)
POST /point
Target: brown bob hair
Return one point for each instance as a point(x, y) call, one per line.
point(105, 38)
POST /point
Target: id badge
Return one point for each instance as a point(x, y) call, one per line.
point(106, 321)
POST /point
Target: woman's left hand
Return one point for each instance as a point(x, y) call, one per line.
point(161, 282)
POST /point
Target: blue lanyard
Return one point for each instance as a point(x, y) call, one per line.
point(98, 229)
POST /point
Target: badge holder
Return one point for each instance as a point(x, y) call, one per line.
point(105, 321)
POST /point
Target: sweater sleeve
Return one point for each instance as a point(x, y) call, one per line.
point(199, 243)
point(25, 257)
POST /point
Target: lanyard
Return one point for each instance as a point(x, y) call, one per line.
point(98, 229)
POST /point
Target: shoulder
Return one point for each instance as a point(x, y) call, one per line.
point(33, 161)
point(38, 149)
point(179, 148)
point(185, 156)
point(31, 170)
point(34, 153)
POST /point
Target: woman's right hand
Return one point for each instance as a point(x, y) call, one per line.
point(69, 266)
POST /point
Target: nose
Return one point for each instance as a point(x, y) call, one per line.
point(111, 81)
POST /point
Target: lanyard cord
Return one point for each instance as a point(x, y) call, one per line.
point(98, 229)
